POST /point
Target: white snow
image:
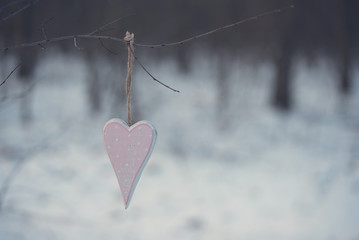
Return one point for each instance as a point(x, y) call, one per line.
point(247, 173)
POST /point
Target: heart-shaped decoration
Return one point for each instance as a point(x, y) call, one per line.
point(129, 149)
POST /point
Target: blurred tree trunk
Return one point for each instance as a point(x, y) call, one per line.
point(28, 59)
point(342, 47)
point(94, 86)
point(282, 92)
point(22, 31)
point(223, 89)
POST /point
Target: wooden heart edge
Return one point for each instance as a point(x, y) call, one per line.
point(149, 153)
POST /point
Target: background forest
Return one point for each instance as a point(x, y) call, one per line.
point(262, 142)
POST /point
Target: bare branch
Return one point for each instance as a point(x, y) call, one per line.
point(254, 18)
point(116, 39)
point(61, 38)
point(74, 37)
point(92, 35)
point(3, 82)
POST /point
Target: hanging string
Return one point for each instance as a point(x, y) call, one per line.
point(129, 39)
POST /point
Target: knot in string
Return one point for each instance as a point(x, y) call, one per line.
point(129, 37)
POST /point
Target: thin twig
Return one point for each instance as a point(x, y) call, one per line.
point(43, 25)
point(43, 31)
point(110, 23)
point(215, 30)
point(109, 50)
point(13, 13)
point(42, 47)
point(75, 44)
point(10, 4)
point(106, 30)
point(14, 2)
point(3, 82)
point(153, 78)
point(19, 95)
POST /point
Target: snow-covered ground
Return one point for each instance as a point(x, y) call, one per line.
point(242, 172)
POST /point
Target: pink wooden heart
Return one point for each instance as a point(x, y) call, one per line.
point(129, 149)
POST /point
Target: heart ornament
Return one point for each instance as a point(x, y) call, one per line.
point(129, 149)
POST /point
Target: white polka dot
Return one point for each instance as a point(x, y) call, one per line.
point(117, 155)
point(116, 126)
point(138, 143)
point(116, 139)
point(108, 146)
point(126, 164)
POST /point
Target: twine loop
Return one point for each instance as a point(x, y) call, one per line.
point(129, 38)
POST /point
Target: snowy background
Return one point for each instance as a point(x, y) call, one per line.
point(242, 172)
